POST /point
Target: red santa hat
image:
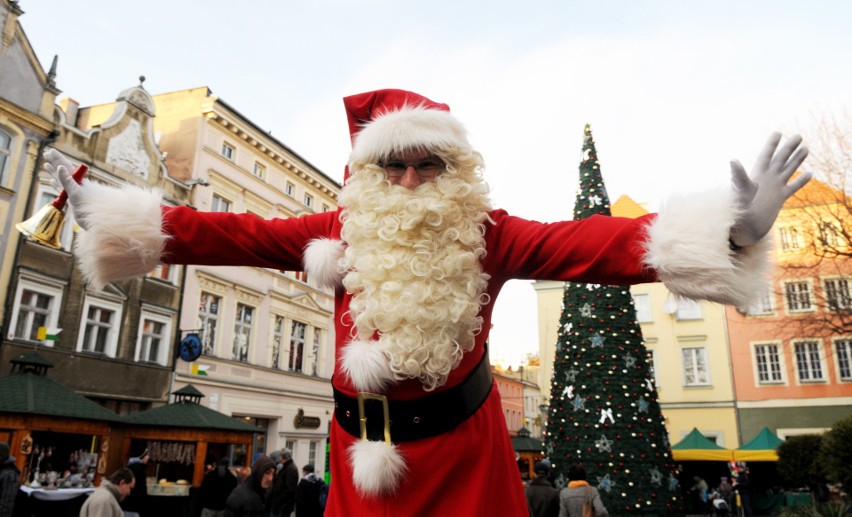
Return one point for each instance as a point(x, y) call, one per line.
point(383, 122)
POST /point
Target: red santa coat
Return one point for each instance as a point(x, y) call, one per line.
point(470, 470)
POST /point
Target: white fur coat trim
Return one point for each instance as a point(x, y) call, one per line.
point(377, 467)
point(688, 246)
point(124, 236)
point(367, 366)
point(410, 127)
point(321, 260)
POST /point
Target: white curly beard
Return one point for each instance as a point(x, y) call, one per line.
point(413, 258)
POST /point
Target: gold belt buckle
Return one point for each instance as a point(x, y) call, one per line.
point(362, 396)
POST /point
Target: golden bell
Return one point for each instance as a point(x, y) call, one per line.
point(44, 227)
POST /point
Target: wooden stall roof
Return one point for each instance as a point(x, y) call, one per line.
point(187, 412)
point(524, 442)
point(26, 390)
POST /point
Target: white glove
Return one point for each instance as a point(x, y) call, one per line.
point(761, 196)
point(60, 168)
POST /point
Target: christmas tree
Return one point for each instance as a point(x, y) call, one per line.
point(604, 414)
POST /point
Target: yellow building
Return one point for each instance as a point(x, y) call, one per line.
point(27, 95)
point(686, 342)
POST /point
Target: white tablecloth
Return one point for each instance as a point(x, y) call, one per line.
point(56, 494)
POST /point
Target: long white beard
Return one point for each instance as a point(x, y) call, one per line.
point(413, 258)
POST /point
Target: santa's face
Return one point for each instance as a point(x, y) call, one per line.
point(414, 239)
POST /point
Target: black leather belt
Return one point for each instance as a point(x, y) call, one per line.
point(373, 417)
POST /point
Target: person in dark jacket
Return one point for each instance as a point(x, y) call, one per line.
point(216, 486)
point(282, 497)
point(10, 479)
point(542, 498)
point(308, 493)
point(137, 501)
point(248, 499)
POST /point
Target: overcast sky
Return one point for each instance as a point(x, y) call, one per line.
point(673, 89)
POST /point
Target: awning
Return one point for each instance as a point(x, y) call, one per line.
point(696, 447)
point(763, 447)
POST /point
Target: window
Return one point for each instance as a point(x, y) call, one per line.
point(242, 333)
point(5, 153)
point(290, 189)
point(165, 272)
point(208, 321)
point(277, 341)
point(228, 151)
point(652, 365)
point(153, 346)
point(220, 204)
point(101, 324)
point(790, 238)
point(301, 276)
point(798, 296)
point(325, 207)
point(309, 201)
point(315, 351)
point(762, 305)
point(297, 346)
point(291, 446)
point(837, 294)
point(829, 235)
point(259, 170)
point(843, 348)
point(808, 361)
point(688, 309)
point(695, 367)
point(312, 452)
point(768, 361)
point(642, 303)
point(36, 305)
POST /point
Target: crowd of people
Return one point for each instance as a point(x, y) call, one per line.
point(575, 500)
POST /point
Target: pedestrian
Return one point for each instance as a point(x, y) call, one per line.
point(578, 494)
point(105, 500)
point(10, 481)
point(542, 498)
point(308, 493)
point(416, 256)
point(282, 495)
point(216, 486)
point(137, 501)
point(249, 498)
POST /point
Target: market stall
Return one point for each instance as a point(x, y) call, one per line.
point(528, 450)
point(59, 438)
point(183, 439)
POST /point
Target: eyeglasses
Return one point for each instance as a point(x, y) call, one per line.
point(426, 168)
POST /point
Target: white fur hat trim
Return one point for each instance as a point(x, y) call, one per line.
point(367, 366)
point(322, 262)
point(410, 127)
point(377, 467)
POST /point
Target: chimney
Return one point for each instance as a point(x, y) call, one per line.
point(70, 107)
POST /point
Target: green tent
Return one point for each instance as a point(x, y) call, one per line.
point(696, 447)
point(763, 447)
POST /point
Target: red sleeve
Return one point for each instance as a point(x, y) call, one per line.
point(223, 238)
point(599, 249)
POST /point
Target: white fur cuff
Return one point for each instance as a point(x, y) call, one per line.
point(322, 262)
point(125, 236)
point(367, 366)
point(688, 246)
point(377, 467)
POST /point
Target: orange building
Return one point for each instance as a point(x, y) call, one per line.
point(512, 396)
point(792, 351)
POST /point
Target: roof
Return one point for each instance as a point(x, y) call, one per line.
point(815, 192)
point(523, 442)
point(762, 447)
point(626, 207)
point(32, 394)
point(187, 414)
point(696, 447)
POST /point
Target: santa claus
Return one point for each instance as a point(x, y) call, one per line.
point(417, 256)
